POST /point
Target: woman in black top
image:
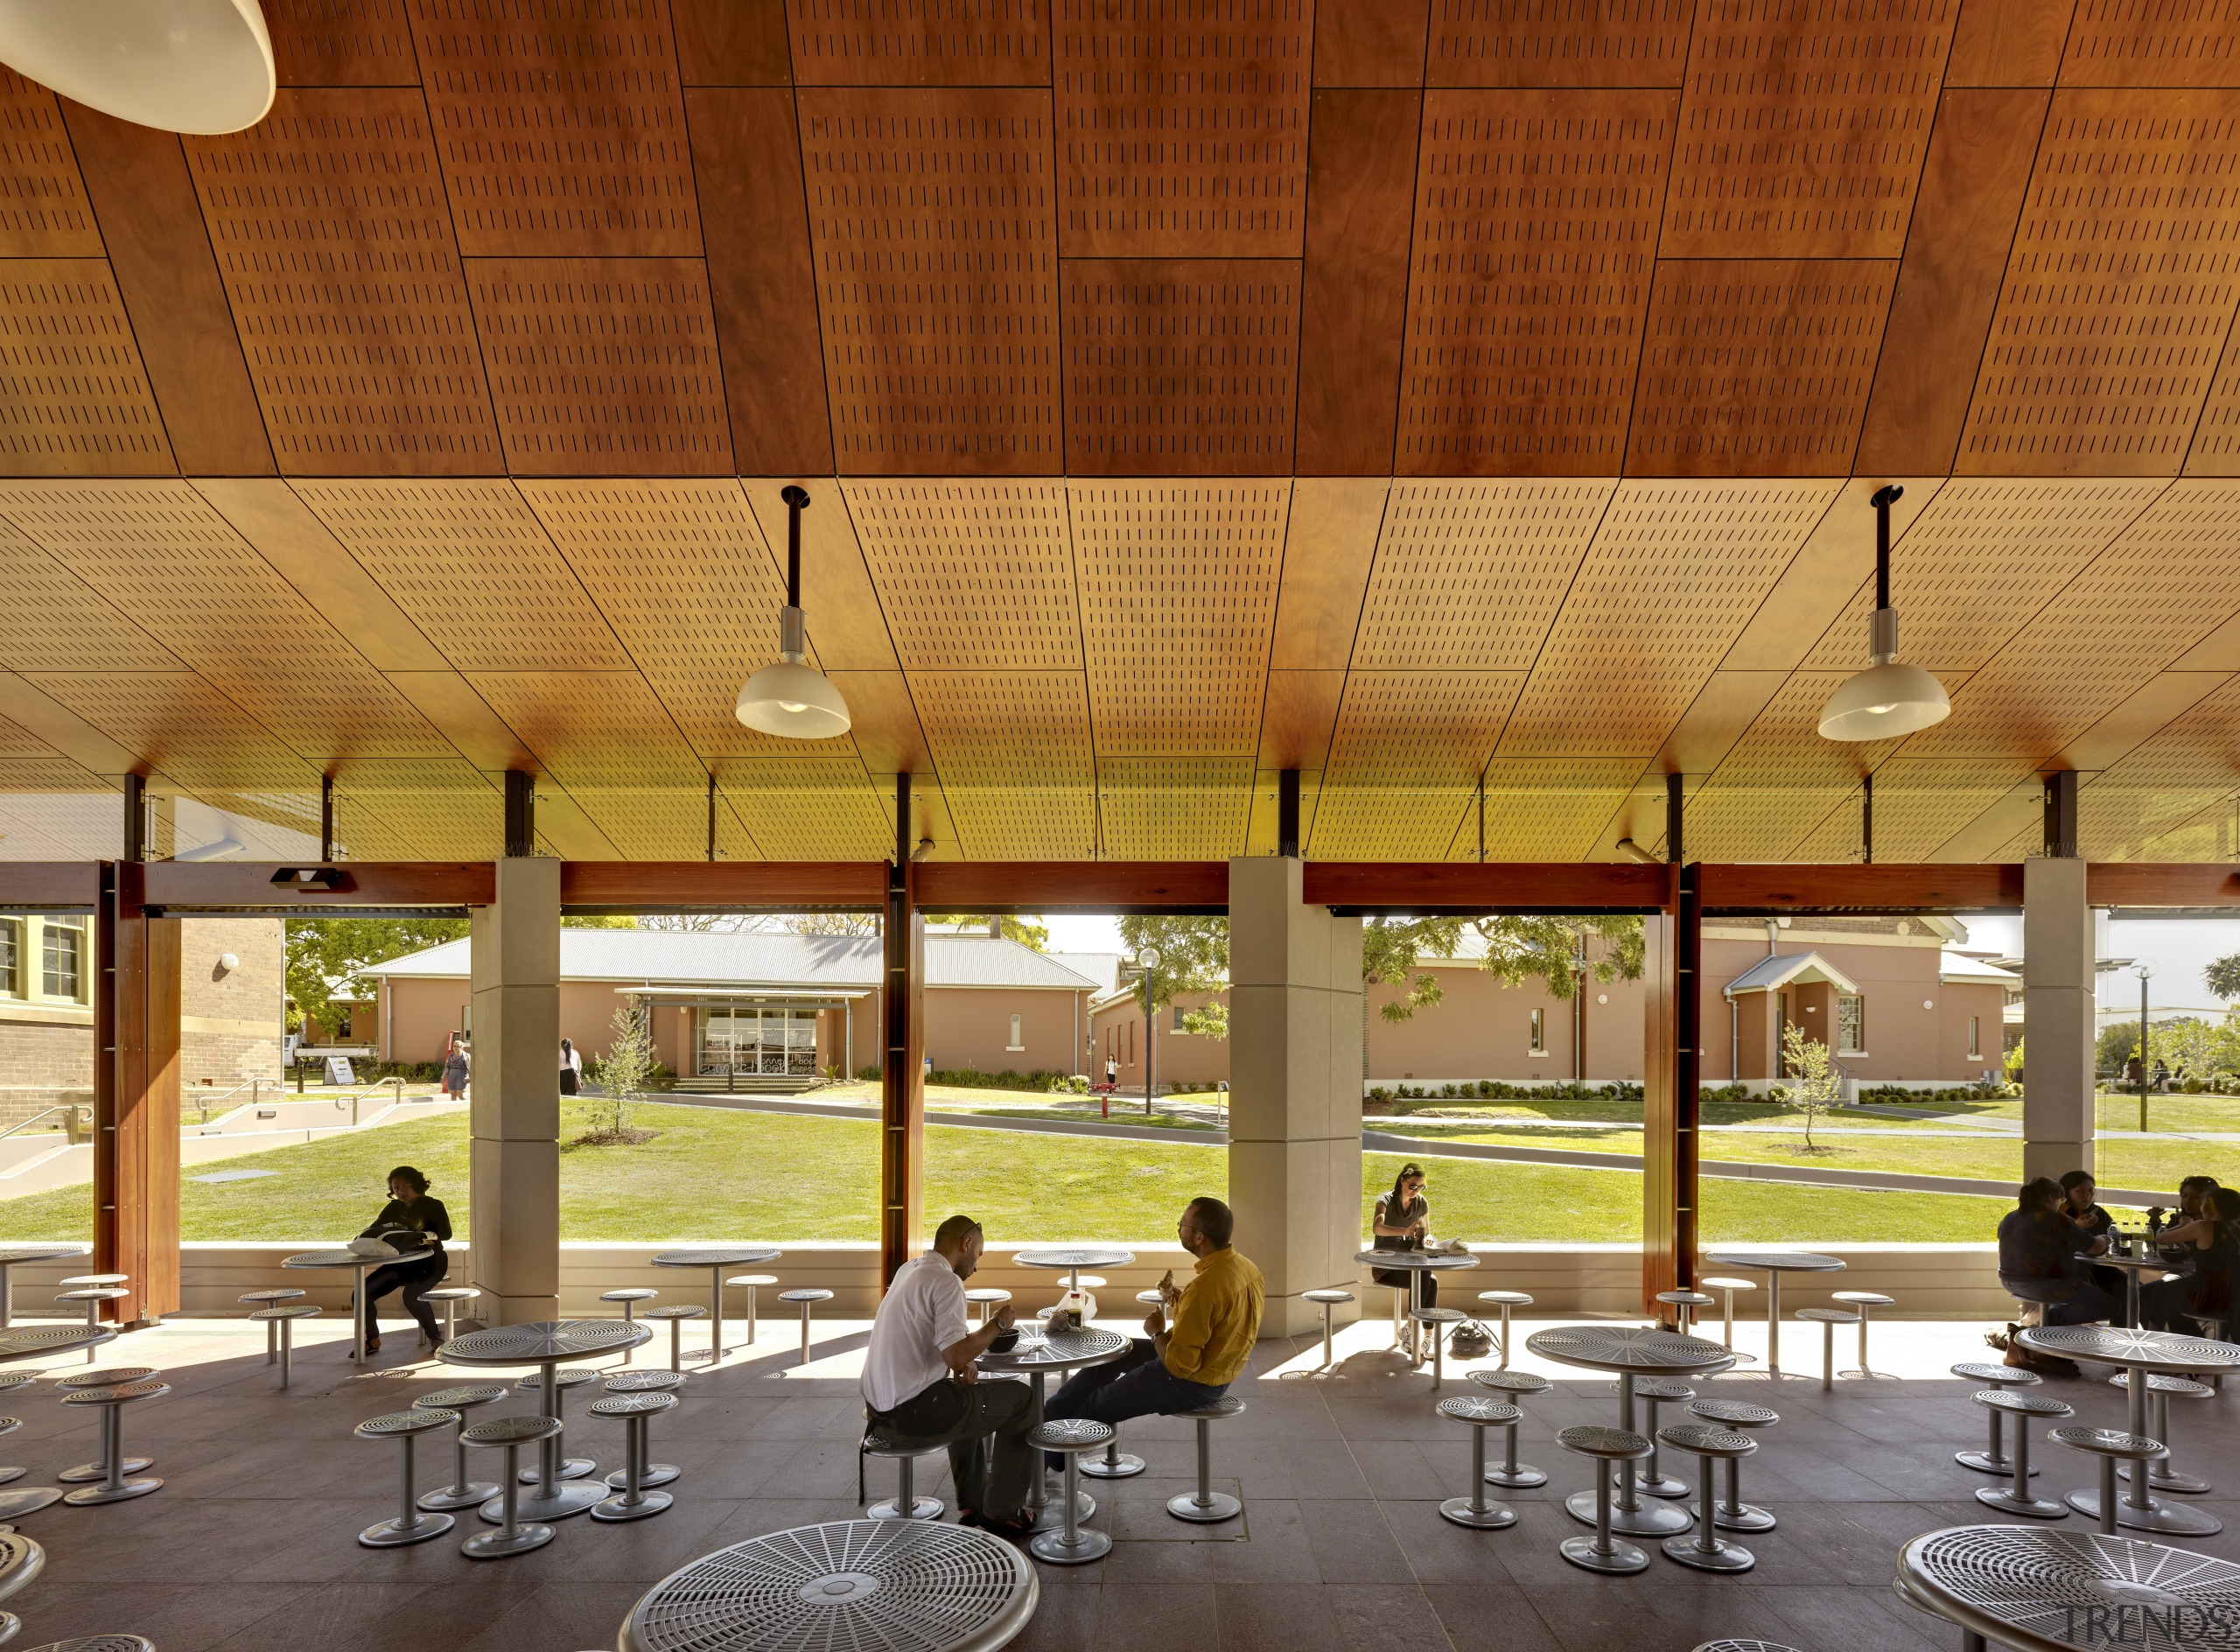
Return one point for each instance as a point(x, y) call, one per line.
point(2091, 1226)
point(1402, 1222)
point(411, 1221)
point(2212, 1244)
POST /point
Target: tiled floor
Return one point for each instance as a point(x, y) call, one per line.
point(251, 1543)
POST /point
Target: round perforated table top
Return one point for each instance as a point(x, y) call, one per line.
point(1074, 1256)
point(1057, 1350)
point(1778, 1261)
point(10, 1255)
point(542, 1340)
point(20, 1561)
point(854, 1586)
point(1428, 1260)
point(2049, 1591)
point(352, 1259)
point(717, 1257)
point(1643, 1350)
point(97, 1643)
point(2141, 1350)
point(28, 1341)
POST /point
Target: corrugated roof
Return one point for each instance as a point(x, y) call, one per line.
point(1102, 968)
point(731, 958)
point(1768, 974)
point(1955, 966)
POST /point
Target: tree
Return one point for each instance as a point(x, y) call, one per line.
point(2118, 1043)
point(1390, 947)
point(1026, 929)
point(1812, 1089)
point(829, 923)
point(1193, 958)
point(629, 1060)
point(1517, 950)
point(326, 955)
point(2224, 977)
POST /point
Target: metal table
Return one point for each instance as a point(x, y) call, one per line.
point(716, 1259)
point(363, 1265)
point(10, 1255)
point(2040, 1589)
point(1630, 1351)
point(1039, 1353)
point(2139, 1351)
point(1073, 1259)
point(1416, 1264)
point(32, 1342)
point(868, 1585)
point(547, 1344)
point(1773, 1264)
point(2133, 1267)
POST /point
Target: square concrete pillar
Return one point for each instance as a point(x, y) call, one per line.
point(515, 1099)
point(2058, 979)
point(1295, 1088)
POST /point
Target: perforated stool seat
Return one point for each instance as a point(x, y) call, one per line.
point(1071, 1543)
point(411, 1525)
point(2014, 1498)
point(1827, 1319)
point(77, 1279)
point(1207, 1505)
point(1327, 1301)
point(809, 1298)
point(514, 1536)
point(906, 1504)
point(93, 1297)
point(1603, 1552)
point(1728, 1287)
point(1654, 1392)
point(1113, 1464)
point(655, 1382)
point(2159, 1389)
point(2109, 1444)
point(21, 1560)
point(677, 1313)
point(462, 1493)
point(450, 1295)
point(281, 1321)
point(1733, 1513)
point(1993, 1460)
point(1744, 1646)
point(1863, 1303)
point(753, 1283)
point(112, 1398)
point(86, 1474)
point(636, 1410)
point(1511, 1386)
point(629, 1298)
point(1437, 1320)
point(1706, 1551)
point(1480, 1411)
point(1687, 1302)
point(1506, 1301)
point(9, 1425)
point(265, 1299)
point(570, 1377)
point(985, 1299)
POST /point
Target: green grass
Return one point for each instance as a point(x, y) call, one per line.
point(2115, 1112)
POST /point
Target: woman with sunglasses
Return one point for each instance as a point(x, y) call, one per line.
point(1402, 1221)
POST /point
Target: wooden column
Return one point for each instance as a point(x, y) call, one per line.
point(1672, 1099)
point(902, 1084)
point(135, 1096)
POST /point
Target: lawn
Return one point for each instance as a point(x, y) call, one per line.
point(720, 1174)
point(2115, 1112)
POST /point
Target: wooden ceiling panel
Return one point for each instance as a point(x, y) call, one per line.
point(2153, 42)
point(1760, 366)
point(1539, 810)
point(1423, 730)
point(524, 606)
point(1016, 761)
point(51, 620)
point(445, 810)
point(603, 364)
point(972, 575)
point(1354, 821)
point(1181, 367)
point(599, 729)
point(561, 126)
point(919, 42)
point(802, 806)
point(1182, 127)
point(1178, 602)
point(1173, 808)
point(176, 721)
point(1469, 575)
point(75, 399)
point(1684, 563)
point(1739, 823)
point(933, 223)
point(648, 824)
point(2119, 291)
point(1783, 750)
point(2199, 751)
point(1917, 807)
point(334, 241)
point(52, 810)
point(1535, 243)
point(44, 213)
point(18, 742)
point(342, 43)
point(1550, 43)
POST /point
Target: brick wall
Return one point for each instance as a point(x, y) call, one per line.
point(229, 1018)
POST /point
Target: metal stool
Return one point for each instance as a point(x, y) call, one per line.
point(1605, 1445)
point(655, 1382)
point(410, 1525)
point(1744, 1646)
point(93, 1296)
point(1327, 1301)
point(906, 1504)
point(1734, 1514)
point(1505, 1300)
point(2214, 1329)
point(86, 1474)
point(1687, 1302)
point(1730, 1286)
point(1827, 1319)
point(753, 1283)
point(2015, 1499)
point(636, 1410)
point(462, 1493)
point(20, 1561)
point(1479, 1411)
point(629, 1298)
point(571, 1377)
point(514, 1536)
point(282, 1321)
point(2108, 1445)
point(1114, 1464)
point(450, 1295)
point(986, 1299)
point(1654, 1392)
point(265, 1299)
point(113, 1486)
point(9, 1425)
point(1072, 1543)
point(1864, 1302)
point(677, 1313)
point(1994, 1461)
point(1512, 1386)
point(1437, 1320)
point(2159, 1475)
point(1706, 1551)
point(808, 1299)
point(1207, 1505)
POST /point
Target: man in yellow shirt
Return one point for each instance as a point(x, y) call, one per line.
point(1191, 1362)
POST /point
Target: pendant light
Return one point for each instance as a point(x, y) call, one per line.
point(179, 65)
point(793, 699)
point(1888, 698)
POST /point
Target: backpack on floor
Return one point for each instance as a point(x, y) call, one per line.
point(1470, 1340)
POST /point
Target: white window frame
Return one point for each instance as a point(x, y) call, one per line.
point(12, 976)
point(49, 927)
point(1851, 1031)
point(1018, 1041)
point(1539, 1031)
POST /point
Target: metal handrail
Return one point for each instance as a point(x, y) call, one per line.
point(360, 1096)
point(64, 1108)
point(254, 1086)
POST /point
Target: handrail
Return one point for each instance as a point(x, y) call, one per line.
point(64, 1108)
point(360, 1096)
point(254, 1086)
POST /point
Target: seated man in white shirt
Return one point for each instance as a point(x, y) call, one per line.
point(921, 1388)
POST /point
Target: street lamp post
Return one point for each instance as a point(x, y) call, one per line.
point(1149, 957)
point(2145, 971)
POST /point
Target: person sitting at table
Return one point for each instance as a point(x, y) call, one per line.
point(2091, 1226)
point(1191, 1361)
point(411, 1221)
point(2211, 1243)
point(1402, 1221)
point(2193, 1199)
point(2037, 1262)
point(921, 1387)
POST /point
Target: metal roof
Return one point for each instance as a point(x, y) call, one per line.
point(1768, 974)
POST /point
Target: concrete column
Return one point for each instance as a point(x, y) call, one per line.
point(2058, 1033)
point(516, 1095)
point(1295, 1092)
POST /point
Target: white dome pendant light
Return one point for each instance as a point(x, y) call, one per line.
point(1886, 699)
point(179, 65)
point(792, 699)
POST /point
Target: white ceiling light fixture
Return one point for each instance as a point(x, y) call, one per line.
point(179, 65)
point(1886, 699)
point(792, 699)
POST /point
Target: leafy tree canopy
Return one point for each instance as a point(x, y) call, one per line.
point(326, 955)
point(1025, 928)
point(1517, 950)
point(2224, 977)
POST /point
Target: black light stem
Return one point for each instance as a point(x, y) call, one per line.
point(796, 498)
point(1884, 498)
